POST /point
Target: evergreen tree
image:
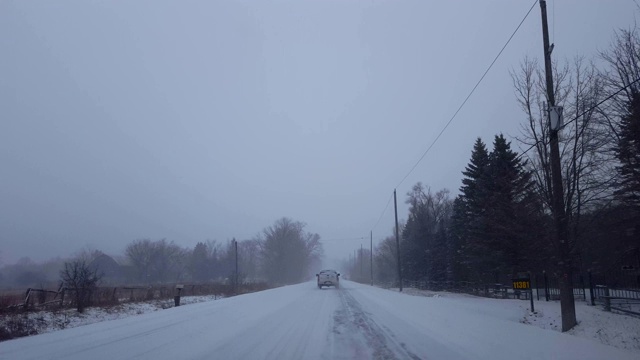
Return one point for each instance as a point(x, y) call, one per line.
point(459, 255)
point(475, 175)
point(200, 264)
point(628, 189)
point(493, 215)
point(469, 219)
point(510, 209)
point(628, 153)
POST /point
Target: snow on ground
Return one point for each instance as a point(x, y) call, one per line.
point(354, 322)
point(48, 321)
point(609, 328)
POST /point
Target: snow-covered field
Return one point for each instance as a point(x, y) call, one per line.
point(354, 322)
point(48, 321)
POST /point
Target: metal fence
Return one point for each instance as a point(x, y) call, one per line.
point(619, 291)
point(614, 290)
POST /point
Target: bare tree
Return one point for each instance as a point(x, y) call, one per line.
point(157, 261)
point(386, 258)
point(169, 262)
point(386, 261)
point(585, 147)
point(288, 251)
point(80, 278)
point(249, 259)
point(425, 245)
point(140, 254)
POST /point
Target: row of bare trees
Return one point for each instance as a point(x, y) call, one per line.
point(283, 253)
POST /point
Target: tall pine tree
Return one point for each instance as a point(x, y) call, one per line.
point(628, 191)
point(628, 153)
point(512, 208)
point(494, 215)
point(469, 219)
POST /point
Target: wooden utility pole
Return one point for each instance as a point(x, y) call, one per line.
point(236, 280)
point(361, 264)
point(567, 304)
point(395, 205)
point(371, 255)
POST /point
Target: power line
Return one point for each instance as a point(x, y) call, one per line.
point(600, 103)
point(383, 212)
point(530, 147)
point(585, 112)
point(344, 239)
point(470, 93)
point(458, 110)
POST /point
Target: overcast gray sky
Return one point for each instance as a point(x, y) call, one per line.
point(195, 120)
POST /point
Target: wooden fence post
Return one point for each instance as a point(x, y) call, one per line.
point(607, 299)
point(593, 299)
point(26, 299)
point(546, 286)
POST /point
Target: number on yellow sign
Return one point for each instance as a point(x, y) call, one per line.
point(520, 284)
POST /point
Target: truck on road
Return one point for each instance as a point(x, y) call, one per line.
point(328, 278)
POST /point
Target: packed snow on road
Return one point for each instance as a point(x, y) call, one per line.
point(303, 322)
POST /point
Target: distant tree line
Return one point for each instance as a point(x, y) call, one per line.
point(283, 253)
point(501, 222)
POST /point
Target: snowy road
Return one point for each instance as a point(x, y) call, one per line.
point(304, 322)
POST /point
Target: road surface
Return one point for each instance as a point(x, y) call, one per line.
point(304, 322)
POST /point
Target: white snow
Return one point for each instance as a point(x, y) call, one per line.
point(48, 321)
point(354, 322)
point(619, 330)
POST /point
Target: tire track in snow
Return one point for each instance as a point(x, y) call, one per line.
point(361, 337)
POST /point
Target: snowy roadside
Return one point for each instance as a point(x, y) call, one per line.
point(40, 322)
point(618, 330)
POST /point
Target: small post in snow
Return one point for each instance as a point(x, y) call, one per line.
point(531, 293)
point(176, 299)
point(593, 300)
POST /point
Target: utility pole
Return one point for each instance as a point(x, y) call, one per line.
point(567, 304)
point(361, 264)
point(354, 266)
point(395, 205)
point(371, 256)
point(235, 242)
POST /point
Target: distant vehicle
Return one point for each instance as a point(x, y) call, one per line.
point(328, 278)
